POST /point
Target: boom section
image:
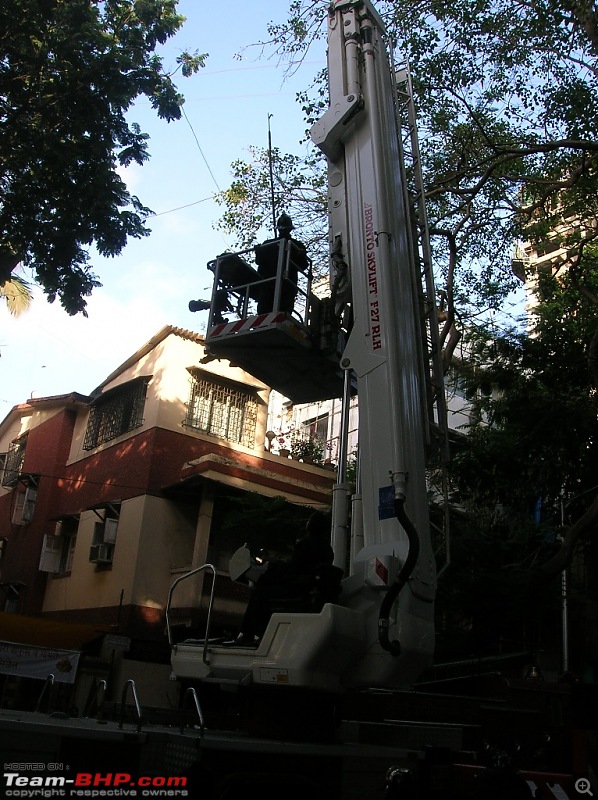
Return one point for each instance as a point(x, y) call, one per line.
point(374, 275)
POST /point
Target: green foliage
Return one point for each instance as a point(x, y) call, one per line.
point(351, 471)
point(486, 602)
point(299, 190)
point(507, 104)
point(303, 25)
point(525, 473)
point(263, 523)
point(69, 72)
point(307, 448)
point(533, 439)
point(507, 107)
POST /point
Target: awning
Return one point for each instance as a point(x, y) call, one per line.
point(229, 472)
point(42, 632)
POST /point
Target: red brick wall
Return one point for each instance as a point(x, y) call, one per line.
point(47, 449)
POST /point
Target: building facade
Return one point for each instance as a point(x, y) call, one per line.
point(105, 500)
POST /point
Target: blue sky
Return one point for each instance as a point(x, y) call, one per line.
point(46, 352)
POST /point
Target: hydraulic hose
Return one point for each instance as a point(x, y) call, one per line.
point(394, 647)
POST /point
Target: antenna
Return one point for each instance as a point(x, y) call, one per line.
point(271, 176)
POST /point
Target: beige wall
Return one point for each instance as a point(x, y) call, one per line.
point(174, 539)
point(168, 392)
point(167, 534)
point(171, 383)
point(88, 587)
point(14, 426)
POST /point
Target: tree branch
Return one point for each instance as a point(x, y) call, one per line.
point(585, 526)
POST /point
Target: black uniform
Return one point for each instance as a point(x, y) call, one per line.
point(288, 579)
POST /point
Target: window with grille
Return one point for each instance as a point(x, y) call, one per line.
point(13, 462)
point(222, 410)
point(118, 411)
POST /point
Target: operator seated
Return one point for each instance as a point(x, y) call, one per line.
point(233, 270)
point(235, 275)
point(266, 257)
point(220, 306)
point(309, 571)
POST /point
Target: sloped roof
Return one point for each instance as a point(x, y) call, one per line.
point(162, 334)
point(72, 398)
point(51, 401)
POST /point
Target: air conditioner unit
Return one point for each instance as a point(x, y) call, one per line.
point(29, 504)
point(101, 553)
point(110, 528)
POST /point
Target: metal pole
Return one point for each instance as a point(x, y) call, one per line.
point(341, 491)
point(271, 177)
point(343, 452)
point(564, 609)
point(565, 621)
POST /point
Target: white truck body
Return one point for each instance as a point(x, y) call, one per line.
point(375, 282)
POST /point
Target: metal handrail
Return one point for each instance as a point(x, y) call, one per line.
point(48, 682)
point(211, 603)
point(193, 694)
point(243, 290)
point(100, 705)
point(123, 698)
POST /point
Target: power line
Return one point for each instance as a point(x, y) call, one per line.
point(200, 150)
point(245, 68)
point(145, 488)
point(180, 208)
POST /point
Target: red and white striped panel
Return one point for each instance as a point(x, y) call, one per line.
point(249, 323)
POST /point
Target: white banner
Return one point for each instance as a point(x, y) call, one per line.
point(26, 661)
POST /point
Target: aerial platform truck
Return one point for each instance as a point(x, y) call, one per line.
point(373, 332)
point(367, 335)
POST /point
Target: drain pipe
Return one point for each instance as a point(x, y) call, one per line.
point(394, 647)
